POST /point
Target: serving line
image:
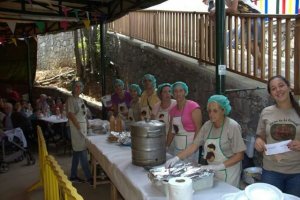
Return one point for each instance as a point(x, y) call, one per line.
point(132, 181)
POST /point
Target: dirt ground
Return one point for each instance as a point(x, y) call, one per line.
point(62, 78)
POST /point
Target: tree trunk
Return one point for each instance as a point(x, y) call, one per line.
point(77, 54)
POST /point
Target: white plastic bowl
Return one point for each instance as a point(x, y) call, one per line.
point(252, 174)
point(263, 191)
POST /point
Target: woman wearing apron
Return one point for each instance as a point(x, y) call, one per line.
point(134, 112)
point(222, 142)
point(161, 110)
point(185, 119)
point(149, 97)
point(120, 99)
point(76, 112)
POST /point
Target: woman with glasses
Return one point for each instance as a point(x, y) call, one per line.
point(278, 123)
point(221, 138)
point(76, 113)
point(185, 120)
point(149, 96)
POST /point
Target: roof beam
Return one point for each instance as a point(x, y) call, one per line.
point(9, 15)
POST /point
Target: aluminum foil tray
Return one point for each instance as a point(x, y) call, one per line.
point(160, 176)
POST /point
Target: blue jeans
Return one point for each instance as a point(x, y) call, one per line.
point(82, 157)
point(287, 183)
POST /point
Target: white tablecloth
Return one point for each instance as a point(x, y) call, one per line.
point(132, 181)
point(54, 119)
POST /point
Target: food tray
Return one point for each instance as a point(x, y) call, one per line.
point(202, 179)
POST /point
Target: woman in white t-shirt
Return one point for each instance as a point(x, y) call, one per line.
point(277, 123)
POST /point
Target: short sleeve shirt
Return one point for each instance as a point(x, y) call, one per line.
point(278, 125)
point(231, 137)
point(186, 115)
point(115, 99)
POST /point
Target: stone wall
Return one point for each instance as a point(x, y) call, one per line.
point(55, 50)
point(133, 59)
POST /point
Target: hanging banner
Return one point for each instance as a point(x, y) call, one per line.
point(41, 26)
point(12, 26)
point(87, 23)
point(64, 25)
point(14, 40)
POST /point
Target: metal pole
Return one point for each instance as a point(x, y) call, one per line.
point(102, 61)
point(27, 41)
point(220, 47)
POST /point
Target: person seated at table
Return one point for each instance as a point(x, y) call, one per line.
point(76, 113)
point(149, 96)
point(134, 113)
point(43, 105)
point(13, 95)
point(26, 108)
point(14, 119)
point(185, 120)
point(222, 142)
point(120, 99)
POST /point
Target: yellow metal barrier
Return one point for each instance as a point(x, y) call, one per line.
point(52, 178)
point(56, 184)
point(42, 154)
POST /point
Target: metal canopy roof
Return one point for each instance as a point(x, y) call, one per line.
point(23, 18)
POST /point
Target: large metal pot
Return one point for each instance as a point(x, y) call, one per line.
point(148, 143)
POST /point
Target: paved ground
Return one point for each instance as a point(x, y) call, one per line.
point(20, 176)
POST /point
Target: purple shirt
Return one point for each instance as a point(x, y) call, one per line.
point(186, 115)
point(115, 99)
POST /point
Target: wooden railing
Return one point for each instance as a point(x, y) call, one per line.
point(192, 34)
point(52, 178)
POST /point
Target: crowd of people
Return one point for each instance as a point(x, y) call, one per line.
point(17, 112)
point(220, 138)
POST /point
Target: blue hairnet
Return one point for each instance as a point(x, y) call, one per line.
point(136, 87)
point(222, 101)
point(161, 87)
point(74, 83)
point(182, 84)
point(151, 78)
point(119, 82)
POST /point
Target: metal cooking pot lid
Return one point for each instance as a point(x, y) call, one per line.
point(150, 123)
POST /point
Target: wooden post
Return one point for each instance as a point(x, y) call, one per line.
point(297, 57)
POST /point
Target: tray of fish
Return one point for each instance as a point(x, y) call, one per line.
point(160, 176)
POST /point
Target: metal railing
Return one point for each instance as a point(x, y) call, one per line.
point(192, 34)
point(55, 183)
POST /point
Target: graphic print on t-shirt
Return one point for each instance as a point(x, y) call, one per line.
point(281, 132)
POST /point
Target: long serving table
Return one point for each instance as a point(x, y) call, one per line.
point(132, 181)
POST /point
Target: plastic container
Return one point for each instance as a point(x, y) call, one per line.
point(250, 141)
point(106, 100)
point(199, 184)
point(252, 174)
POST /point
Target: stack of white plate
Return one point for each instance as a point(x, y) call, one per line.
point(259, 191)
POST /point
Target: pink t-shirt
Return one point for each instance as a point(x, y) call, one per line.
point(186, 115)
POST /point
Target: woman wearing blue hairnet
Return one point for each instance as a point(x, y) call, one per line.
point(222, 142)
point(185, 119)
point(161, 110)
point(76, 113)
point(120, 99)
point(149, 96)
point(134, 113)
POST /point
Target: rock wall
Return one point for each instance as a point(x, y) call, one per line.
point(55, 50)
point(133, 59)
